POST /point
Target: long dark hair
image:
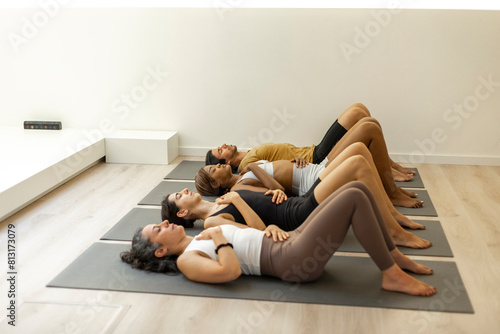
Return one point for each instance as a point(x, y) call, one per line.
point(142, 256)
point(169, 212)
point(203, 182)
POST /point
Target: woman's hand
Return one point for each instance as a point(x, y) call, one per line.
point(227, 198)
point(278, 195)
point(276, 233)
point(300, 162)
point(209, 233)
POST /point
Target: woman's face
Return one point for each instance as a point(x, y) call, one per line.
point(185, 199)
point(166, 234)
point(220, 173)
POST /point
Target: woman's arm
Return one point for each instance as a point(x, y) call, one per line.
point(267, 184)
point(252, 219)
point(198, 267)
point(267, 180)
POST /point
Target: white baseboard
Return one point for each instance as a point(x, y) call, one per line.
point(194, 151)
point(446, 159)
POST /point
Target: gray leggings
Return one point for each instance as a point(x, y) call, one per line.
point(304, 255)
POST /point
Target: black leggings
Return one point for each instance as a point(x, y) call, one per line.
point(304, 255)
point(332, 136)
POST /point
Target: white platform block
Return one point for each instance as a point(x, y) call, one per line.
point(141, 147)
point(34, 162)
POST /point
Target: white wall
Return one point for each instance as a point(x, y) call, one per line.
point(227, 78)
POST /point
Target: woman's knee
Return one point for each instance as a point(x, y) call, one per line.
point(369, 128)
point(358, 148)
point(358, 164)
point(351, 116)
point(362, 106)
point(357, 112)
point(369, 119)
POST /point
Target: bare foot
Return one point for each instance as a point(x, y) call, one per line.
point(408, 193)
point(410, 240)
point(401, 177)
point(405, 263)
point(395, 279)
point(399, 199)
point(407, 222)
point(402, 169)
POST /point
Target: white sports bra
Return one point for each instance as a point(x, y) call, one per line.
point(265, 165)
point(247, 244)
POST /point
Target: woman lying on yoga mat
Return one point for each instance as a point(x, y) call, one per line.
point(223, 253)
point(184, 207)
point(215, 180)
point(358, 124)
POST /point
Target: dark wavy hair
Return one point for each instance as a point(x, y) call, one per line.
point(203, 182)
point(169, 212)
point(142, 256)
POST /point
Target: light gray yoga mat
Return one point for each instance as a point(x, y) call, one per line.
point(186, 170)
point(351, 281)
point(167, 187)
point(416, 182)
point(140, 217)
point(427, 210)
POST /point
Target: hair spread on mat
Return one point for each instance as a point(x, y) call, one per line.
point(142, 256)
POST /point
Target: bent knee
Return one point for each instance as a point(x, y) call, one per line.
point(358, 164)
point(369, 119)
point(369, 126)
point(359, 105)
point(358, 148)
point(358, 112)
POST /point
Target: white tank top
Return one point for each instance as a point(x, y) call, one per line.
point(265, 165)
point(247, 244)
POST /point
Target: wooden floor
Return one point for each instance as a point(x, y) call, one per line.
point(53, 231)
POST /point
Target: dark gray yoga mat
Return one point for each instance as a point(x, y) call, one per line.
point(186, 170)
point(416, 182)
point(433, 232)
point(167, 187)
point(351, 281)
point(125, 228)
point(427, 210)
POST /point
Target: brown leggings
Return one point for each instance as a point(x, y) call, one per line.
point(304, 255)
